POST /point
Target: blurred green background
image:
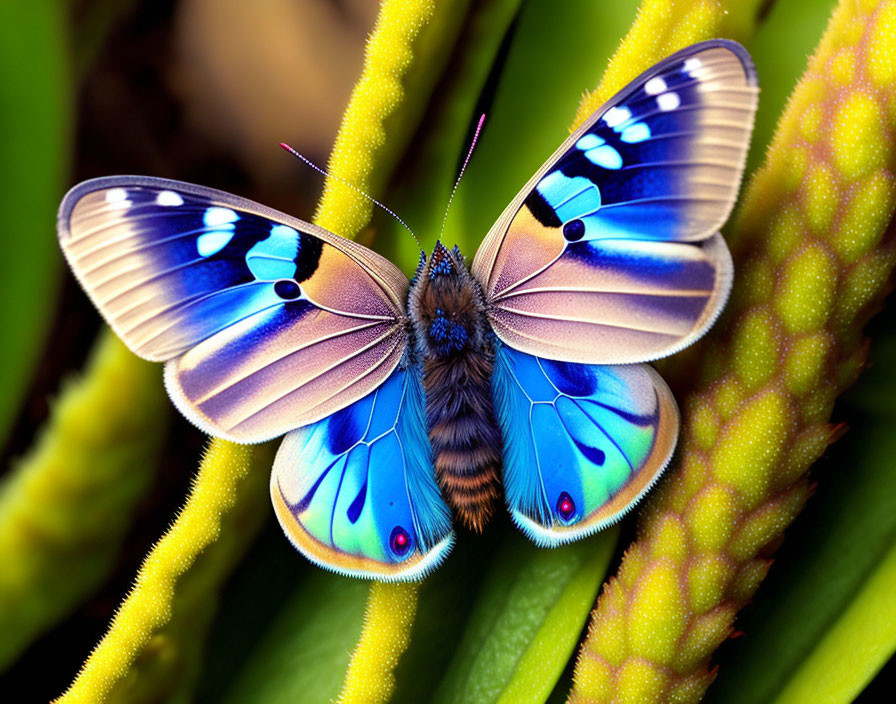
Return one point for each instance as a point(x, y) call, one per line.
point(203, 91)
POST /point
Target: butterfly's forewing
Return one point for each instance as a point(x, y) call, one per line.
point(611, 253)
point(356, 492)
point(266, 322)
point(582, 442)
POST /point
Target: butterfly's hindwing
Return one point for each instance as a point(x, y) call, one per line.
point(269, 322)
point(582, 442)
point(356, 492)
point(611, 253)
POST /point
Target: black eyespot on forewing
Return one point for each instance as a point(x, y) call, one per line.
point(287, 289)
point(574, 230)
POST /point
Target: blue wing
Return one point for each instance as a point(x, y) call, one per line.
point(663, 160)
point(582, 443)
point(268, 322)
point(611, 253)
point(356, 492)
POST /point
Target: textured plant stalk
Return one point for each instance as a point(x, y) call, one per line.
point(385, 636)
point(376, 96)
point(814, 248)
point(66, 506)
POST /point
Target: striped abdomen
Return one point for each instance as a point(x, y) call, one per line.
point(466, 441)
point(450, 329)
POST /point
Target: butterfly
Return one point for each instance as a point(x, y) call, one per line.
point(404, 403)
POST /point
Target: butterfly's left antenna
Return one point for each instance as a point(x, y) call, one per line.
point(353, 187)
point(461, 174)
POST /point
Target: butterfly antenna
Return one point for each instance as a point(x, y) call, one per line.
point(353, 187)
point(461, 174)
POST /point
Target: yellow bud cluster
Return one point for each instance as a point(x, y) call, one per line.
point(813, 254)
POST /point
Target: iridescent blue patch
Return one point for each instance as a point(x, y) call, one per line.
point(635, 133)
point(274, 258)
point(605, 156)
point(571, 378)
point(572, 436)
point(570, 198)
point(440, 268)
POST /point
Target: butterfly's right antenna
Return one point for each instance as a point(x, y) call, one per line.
point(352, 186)
point(461, 174)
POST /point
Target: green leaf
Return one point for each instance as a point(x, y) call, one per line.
point(304, 654)
point(854, 648)
point(526, 621)
point(34, 141)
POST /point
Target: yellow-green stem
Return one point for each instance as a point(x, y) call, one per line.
point(375, 97)
point(386, 634)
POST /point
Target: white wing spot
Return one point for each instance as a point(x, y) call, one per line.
point(691, 65)
point(286, 231)
point(668, 101)
point(219, 221)
point(216, 216)
point(654, 85)
point(169, 198)
point(635, 133)
point(118, 198)
point(213, 242)
point(616, 116)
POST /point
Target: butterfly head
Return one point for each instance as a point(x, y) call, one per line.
point(445, 304)
point(444, 263)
